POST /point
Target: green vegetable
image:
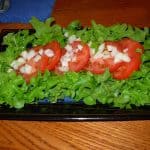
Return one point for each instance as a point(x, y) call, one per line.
point(45, 33)
point(92, 89)
point(16, 42)
point(98, 33)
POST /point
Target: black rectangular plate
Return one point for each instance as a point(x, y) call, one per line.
point(70, 112)
point(73, 112)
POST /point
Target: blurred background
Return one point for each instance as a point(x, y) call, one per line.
point(107, 12)
point(22, 10)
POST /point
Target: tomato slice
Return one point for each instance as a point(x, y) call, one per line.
point(81, 52)
point(57, 70)
point(53, 61)
point(82, 57)
point(111, 65)
point(44, 62)
point(126, 69)
point(33, 72)
point(48, 63)
point(37, 48)
point(120, 70)
point(132, 46)
point(28, 77)
point(99, 65)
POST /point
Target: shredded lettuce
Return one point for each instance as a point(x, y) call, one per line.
point(46, 32)
point(85, 86)
point(98, 33)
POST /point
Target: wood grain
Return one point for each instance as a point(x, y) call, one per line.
point(127, 135)
point(107, 12)
point(14, 26)
point(18, 135)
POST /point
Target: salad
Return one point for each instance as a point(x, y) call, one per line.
point(96, 64)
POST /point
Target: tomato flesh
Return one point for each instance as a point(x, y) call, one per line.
point(126, 69)
point(99, 65)
point(52, 62)
point(82, 58)
point(45, 62)
point(120, 70)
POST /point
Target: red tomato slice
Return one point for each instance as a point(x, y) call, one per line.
point(132, 46)
point(121, 70)
point(45, 63)
point(111, 65)
point(28, 77)
point(49, 63)
point(98, 66)
point(126, 69)
point(42, 64)
point(37, 48)
point(82, 57)
point(53, 61)
point(33, 73)
point(57, 70)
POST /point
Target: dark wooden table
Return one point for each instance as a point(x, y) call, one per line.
point(127, 135)
point(107, 12)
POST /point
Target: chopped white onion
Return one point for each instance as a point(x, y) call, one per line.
point(72, 38)
point(65, 59)
point(89, 44)
point(26, 69)
point(37, 58)
point(98, 55)
point(92, 51)
point(125, 50)
point(78, 39)
point(101, 53)
point(111, 48)
point(9, 70)
point(126, 58)
point(21, 60)
point(80, 47)
point(63, 69)
point(68, 47)
point(49, 52)
point(121, 57)
point(101, 47)
point(31, 54)
point(15, 64)
point(41, 51)
point(24, 54)
point(66, 34)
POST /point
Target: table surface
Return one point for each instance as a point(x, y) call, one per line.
point(134, 135)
